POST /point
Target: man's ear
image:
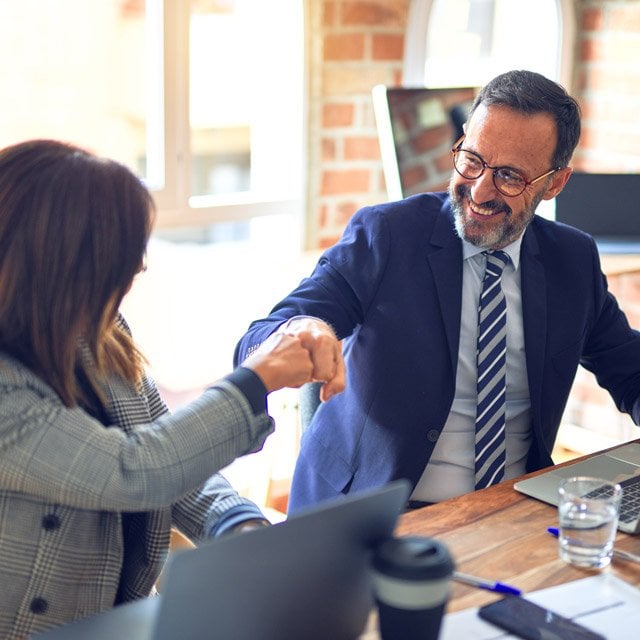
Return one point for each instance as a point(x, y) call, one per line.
point(558, 180)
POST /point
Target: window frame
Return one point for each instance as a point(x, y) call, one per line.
point(175, 206)
point(416, 36)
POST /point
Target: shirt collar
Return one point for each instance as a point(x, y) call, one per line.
point(512, 250)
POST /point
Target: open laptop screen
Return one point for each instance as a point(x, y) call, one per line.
point(305, 578)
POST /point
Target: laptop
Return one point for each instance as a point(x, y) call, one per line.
point(307, 577)
point(620, 464)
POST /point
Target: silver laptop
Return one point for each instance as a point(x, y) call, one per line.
point(307, 577)
point(620, 464)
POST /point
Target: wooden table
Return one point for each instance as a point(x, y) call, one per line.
point(500, 534)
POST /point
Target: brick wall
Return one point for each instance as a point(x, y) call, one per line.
point(589, 405)
point(607, 82)
point(356, 44)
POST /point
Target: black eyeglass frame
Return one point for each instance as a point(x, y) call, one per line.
point(457, 147)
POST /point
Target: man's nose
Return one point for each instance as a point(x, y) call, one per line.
point(483, 189)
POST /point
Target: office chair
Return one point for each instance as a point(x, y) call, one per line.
point(308, 401)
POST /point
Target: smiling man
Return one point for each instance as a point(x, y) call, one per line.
point(463, 317)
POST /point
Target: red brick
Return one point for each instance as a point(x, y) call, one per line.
point(589, 137)
point(329, 14)
point(414, 176)
point(323, 218)
point(361, 148)
point(337, 115)
point(580, 81)
point(387, 47)
point(135, 9)
point(381, 13)
point(328, 149)
point(340, 79)
point(344, 47)
point(591, 50)
point(328, 241)
point(613, 78)
point(444, 163)
point(344, 212)
point(338, 181)
point(431, 138)
point(590, 109)
point(592, 19)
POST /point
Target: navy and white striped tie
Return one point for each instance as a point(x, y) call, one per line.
point(492, 349)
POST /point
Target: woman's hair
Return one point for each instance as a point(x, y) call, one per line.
point(73, 233)
point(530, 92)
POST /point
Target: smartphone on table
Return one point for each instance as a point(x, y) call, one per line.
point(528, 620)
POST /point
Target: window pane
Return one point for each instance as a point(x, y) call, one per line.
point(245, 94)
point(80, 71)
point(471, 41)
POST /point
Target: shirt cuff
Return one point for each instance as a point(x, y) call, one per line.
point(235, 516)
point(251, 386)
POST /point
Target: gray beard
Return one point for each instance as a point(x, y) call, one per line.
point(496, 238)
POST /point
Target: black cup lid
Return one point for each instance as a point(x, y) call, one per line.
point(413, 558)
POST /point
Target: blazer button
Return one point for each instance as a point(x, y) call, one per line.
point(39, 606)
point(433, 435)
point(50, 522)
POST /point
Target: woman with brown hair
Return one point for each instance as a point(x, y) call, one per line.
point(93, 470)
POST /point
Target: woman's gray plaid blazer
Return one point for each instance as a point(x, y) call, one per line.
point(84, 521)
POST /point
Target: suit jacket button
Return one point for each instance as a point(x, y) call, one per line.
point(433, 435)
point(50, 522)
point(39, 605)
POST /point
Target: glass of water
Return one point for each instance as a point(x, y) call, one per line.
point(588, 510)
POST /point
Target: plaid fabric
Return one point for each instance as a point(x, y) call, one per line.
point(84, 521)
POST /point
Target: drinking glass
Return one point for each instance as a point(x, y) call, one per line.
point(588, 511)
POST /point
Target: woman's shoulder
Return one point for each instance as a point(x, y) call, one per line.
point(14, 375)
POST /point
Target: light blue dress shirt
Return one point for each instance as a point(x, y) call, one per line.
point(450, 470)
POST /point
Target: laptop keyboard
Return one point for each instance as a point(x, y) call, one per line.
point(630, 504)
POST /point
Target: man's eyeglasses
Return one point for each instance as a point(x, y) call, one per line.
point(507, 181)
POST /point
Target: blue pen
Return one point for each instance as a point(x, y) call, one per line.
point(489, 585)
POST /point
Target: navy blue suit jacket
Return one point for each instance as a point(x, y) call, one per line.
point(391, 288)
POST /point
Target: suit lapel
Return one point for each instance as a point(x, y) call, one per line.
point(534, 316)
point(445, 259)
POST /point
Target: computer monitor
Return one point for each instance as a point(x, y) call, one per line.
point(417, 128)
point(606, 206)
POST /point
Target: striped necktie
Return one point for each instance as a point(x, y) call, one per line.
point(492, 349)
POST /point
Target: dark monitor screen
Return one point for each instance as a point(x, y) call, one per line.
point(606, 206)
point(417, 128)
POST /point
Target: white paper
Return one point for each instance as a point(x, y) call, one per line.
point(602, 603)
